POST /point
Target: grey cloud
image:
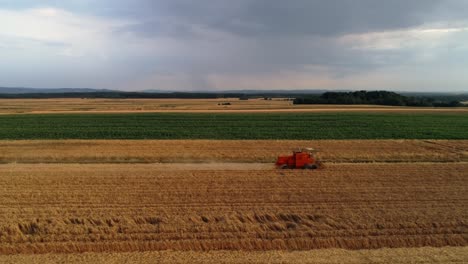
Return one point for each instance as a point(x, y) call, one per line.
point(160, 28)
point(273, 35)
point(269, 55)
point(262, 37)
point(306, 17)
point(297, 17)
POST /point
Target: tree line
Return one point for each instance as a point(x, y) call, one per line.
point(122, 95)
point(375, 98)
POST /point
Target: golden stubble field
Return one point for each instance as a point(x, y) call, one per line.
point(127, 207)
point(392, 201)
point(323, 256)
point(213, 151)
point(74, 105)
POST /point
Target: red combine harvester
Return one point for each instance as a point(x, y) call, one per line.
point(302, 159)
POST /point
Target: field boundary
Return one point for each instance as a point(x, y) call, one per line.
point(460, 110)
point(223, 162)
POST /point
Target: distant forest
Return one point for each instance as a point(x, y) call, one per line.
point(380, 98)
point(121, 95)
point(359, 97)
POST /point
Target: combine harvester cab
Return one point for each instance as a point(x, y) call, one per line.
point(301, 159)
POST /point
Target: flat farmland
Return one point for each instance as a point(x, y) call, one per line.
point(66, 208)
point(232, 151)
point(202, 188)
point(245, 126)
point(61, 105)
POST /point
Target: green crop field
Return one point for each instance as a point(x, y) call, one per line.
point(236, 126)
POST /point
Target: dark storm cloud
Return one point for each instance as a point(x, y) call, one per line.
point(297, 17)
point(264, 17)
point(331, 17)
point(273, 35)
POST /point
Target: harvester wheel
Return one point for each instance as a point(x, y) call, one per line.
point(284, 166)
point(310, 166)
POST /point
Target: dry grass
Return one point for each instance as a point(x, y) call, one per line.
point(15, 106)
point(67, 208)
point(148, 151)
point(324, 256)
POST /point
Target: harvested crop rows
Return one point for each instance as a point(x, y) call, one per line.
point(64, 105)
point(61, 105)
point(131, 207)
point(443, 255)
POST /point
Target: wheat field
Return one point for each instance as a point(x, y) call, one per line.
point(211, 201)
point(65, 208)
point(77, 105)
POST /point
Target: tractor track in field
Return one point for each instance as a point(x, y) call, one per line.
point(222, 165)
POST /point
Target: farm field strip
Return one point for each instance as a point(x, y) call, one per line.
point(139, 198)
point(44, 106)
point(228, 151)
point(278, 126)
point(9, 106)
point(323, 256)
point(67, 208)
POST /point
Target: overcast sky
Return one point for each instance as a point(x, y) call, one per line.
point(402, 45)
